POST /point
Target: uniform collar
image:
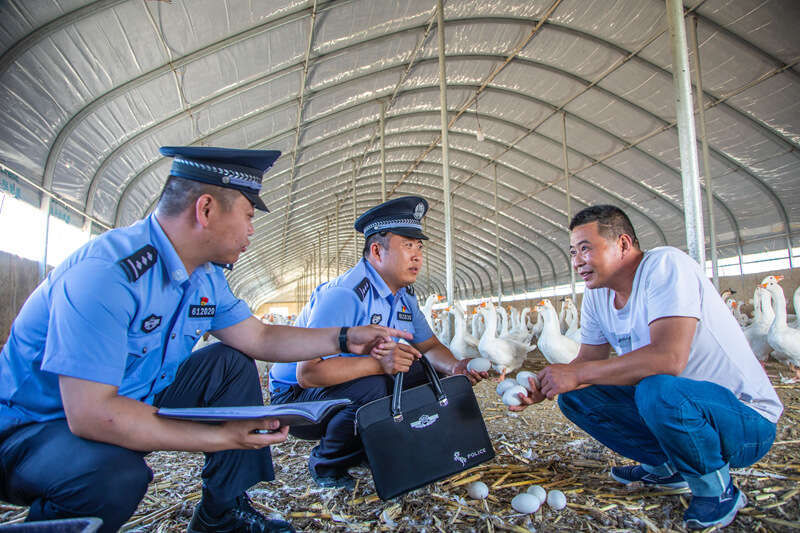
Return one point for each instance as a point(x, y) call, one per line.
point(172, 262)
point(377, 281)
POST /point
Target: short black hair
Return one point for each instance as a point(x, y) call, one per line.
point(382, 238)
point(611, 222)
point(180, 193)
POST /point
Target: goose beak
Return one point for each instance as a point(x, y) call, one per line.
point(779, 278)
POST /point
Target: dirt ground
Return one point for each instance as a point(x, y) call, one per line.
point(538, 446)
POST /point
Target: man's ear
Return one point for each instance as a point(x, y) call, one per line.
point(377, 249)
point(625, 243)
point(202, 207)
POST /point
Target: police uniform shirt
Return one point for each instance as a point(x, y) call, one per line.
point(121, 310)
point(356, 298)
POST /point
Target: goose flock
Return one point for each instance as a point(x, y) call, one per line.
point(770, 331)
point(506, 337)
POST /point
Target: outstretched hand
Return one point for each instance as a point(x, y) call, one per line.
point(361, 340)
point(534, 396)
point(473, 375)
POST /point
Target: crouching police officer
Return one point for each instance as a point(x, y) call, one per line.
point(376, 291)
point(107, 337)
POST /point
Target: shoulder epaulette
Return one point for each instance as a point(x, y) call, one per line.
point(410, 290)
point(362, 288)
point(139, 262)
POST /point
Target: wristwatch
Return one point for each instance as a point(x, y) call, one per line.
point(343, 339)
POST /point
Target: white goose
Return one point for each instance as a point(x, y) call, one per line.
point(506, 354)
point(796, 304)
point(519, 330)
point(537, 328)
point(445, 333)
point(783, 339)
point(463, 345)
point(757, 331)
point(477, 324)
point(555, 347)
point(571, 316)
point(427, 307)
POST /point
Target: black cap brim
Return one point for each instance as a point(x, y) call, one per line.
point(411, 233)
point(255, 199)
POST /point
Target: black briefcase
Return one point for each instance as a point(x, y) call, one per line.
point(423, 434)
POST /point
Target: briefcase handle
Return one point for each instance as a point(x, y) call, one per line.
point(433, 378)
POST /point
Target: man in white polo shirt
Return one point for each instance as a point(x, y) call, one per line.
point(686, 398)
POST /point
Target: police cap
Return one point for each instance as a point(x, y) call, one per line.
point(402, 216)
point(224, 167)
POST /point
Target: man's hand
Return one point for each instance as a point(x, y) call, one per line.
point(362, 339)
point(533, 396)
point(556, 379)
point(246, 434)
point(395, 357)
point(474, 377)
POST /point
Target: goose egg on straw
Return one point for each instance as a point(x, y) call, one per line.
point(525, 503)
point(478, 490)
point(556, 500)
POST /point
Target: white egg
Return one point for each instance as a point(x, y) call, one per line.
point(556, 500)
point(478, 490)
point(525, 503)
point(510, 396)
point(522, 379)
point(479, 364)
point(538, 491)
point(504, 385)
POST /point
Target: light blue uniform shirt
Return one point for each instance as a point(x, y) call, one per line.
point(120, 310)
point(356, 298)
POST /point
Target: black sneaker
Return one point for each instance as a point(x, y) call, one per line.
point(631, 474)
point(719, 511)
point(241, 518)
point(340, 480)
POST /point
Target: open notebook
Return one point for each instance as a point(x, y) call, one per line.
point(290, 414)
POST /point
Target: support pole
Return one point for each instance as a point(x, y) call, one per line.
point(497, 243)
point(712, 227)
point(328, 247)
point(337, 237)
point(355, 233)
point(383, 151)
point(448, 229)
point(569, 196)
point(45, 209)
point(687, 141)
point(319, 257)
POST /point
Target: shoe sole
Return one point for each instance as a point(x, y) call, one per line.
point(722, 522)
point(679, 485)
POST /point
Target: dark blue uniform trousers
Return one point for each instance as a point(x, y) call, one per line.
point(339, 447)
point(59, 475)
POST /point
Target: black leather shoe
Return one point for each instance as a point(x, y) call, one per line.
point(341, 480)
point(241, 518)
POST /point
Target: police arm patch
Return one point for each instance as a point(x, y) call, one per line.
point(362, 289)
point(139, 262)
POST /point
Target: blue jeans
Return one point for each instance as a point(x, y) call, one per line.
point(669, 424)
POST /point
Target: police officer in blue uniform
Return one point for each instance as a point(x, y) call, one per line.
point(107, 337)
point(377, 290)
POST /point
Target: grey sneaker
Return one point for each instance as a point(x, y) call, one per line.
point(631, 474)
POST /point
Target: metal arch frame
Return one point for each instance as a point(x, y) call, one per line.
point(533, 157)
point(265, 251)
point(517, 222)
point(261, 28)
point(476, 258)
point(73, 121)
point(529, 155)
point(240, 285)
point(609, 43)
point(602, 131)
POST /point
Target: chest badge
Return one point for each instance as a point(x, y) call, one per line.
point(375, 319)
point(204, 310)
point(150, 323)
point(403, 314)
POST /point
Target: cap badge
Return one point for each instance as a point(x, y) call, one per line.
point(419, 210)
